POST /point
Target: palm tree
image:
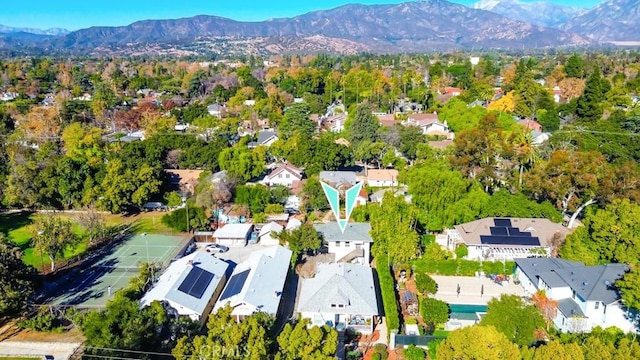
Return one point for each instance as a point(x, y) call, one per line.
point(526, 153)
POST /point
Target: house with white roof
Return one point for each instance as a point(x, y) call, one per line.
point(498, 239)
point(268, 234)
point(285, 175)
point(190, 286)
point(352, 245)
point(586, 295)
point(340, 295)
point(257, 284)
point(233, 235)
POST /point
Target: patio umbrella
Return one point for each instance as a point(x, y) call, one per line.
point(482, 290)
point(458, 290)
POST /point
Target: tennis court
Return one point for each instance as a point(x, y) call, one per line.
point(111, 269)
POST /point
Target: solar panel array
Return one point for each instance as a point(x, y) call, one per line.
point(503, 233)
point(235, 284)
point(196, 282)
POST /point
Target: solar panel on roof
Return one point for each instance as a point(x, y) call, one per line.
point(517, 232)
point(498, 230)
point(502, 222)
point(509, 240)
point(235, 284)
point(196, 282)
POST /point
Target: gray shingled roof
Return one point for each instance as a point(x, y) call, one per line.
point(595, 283)
point(353, 232)
point(264, 286)
point(591, 283)
point(545, 268)
point(264, 136)
point(569, 308)
point(544, 229)
point(337, 178)
point(349, 285)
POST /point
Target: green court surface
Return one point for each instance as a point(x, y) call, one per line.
point(111, 269)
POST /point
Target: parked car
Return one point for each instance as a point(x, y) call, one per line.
point(216, 248)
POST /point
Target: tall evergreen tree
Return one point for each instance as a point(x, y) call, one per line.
point(364, 126)
point(589, 105)
point(574, 67)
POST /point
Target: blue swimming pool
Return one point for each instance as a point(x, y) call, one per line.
point(466, 311)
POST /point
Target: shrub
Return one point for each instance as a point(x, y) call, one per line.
point(425, 284)
point(461, 251)
point(43, 322)
point(274, 209)
point(387, 288)
point(414, 353)
point(434, 312)
point(461, 267)
point(380, 352)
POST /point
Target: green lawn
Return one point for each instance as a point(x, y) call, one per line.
point(18, 228)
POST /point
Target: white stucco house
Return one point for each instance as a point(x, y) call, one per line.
point(233, 235)
point(190, 286)
point(354, 245)
point(430, 124)
point(285, 175)
point(586, 295)
point(257, 284)
point(497, 239)
point(268, 234)
point(340, 295)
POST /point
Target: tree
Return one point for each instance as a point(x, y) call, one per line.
point(589, 107)
point(301, 343)
point(364, 126)
point(557, 350)
point(313, 197)
point(413, 352)
point(228, 339)
point(83, 144)
point(548, 307)
point(461, 251)
point(94, 224)
point(300, 240)
point(521, 324)
point(255, 197)
point(525, 153)
point(629, 287)
point(296, 120)
point(177, 219)
point(124, 187)
point(52, 236)
point(243, 163)
point(478, 343)
point(434, 312)
point(393, 229)
point(574, 66)
point(425, 284)
point(16, 285)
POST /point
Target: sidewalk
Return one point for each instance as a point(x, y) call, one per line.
point(60, 351)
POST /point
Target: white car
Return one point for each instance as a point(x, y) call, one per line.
point(216, 248)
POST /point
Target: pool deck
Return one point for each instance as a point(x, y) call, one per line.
point(470, 289)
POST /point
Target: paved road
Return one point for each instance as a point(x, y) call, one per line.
point(60, 351)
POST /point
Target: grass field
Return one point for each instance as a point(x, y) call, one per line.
point(19, 228)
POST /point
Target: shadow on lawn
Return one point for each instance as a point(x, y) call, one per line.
point(14, 221)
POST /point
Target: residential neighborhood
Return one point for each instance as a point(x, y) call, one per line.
point(321, 206)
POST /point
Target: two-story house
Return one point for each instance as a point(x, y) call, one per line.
point(285, 175)
point(430, 124)
point(586, 295)
point(340, 295)
point(352, 245)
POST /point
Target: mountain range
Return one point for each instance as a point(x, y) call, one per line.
point(538, 13)
point(416, 26)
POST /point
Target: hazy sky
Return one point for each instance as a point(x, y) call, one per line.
point(74, 14)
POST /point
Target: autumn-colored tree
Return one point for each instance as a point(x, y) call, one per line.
point(506, 103)
point(548, 307)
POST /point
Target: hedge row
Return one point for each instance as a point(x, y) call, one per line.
point(462, 267)
point(387, 288)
